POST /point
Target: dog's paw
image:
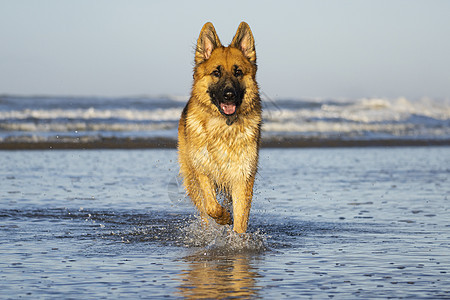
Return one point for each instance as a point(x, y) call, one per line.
point(225, 218)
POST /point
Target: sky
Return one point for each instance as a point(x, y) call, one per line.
point(320, 49)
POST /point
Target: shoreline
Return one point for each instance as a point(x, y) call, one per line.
point(168, 143)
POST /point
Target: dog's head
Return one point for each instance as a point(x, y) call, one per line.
point(225, 76)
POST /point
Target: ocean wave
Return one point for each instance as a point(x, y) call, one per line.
point(365, 111)
point(142, 117)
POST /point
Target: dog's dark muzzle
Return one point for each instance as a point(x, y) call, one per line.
point(227, 95)
point(228, 105)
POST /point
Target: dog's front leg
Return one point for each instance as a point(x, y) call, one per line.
point(242, 201)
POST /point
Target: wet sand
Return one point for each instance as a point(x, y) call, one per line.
point(169, 143)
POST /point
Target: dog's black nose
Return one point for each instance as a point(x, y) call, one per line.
point(229, 95)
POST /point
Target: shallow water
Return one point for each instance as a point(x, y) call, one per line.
point(343, 223)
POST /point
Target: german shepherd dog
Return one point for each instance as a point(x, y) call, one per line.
point(219, 129)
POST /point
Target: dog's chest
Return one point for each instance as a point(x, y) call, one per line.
point(228, 153)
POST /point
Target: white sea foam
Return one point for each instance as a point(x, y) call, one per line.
point(92, 113)
point(85, 127)
point(323, 126)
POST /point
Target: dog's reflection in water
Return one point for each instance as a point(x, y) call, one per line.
point(216, 277)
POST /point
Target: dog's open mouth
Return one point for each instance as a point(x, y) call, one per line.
point(228, 108)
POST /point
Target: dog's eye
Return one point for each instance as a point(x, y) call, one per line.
point(216, 73)
point(238, 72)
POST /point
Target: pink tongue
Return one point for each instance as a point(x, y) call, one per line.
point(228, 109)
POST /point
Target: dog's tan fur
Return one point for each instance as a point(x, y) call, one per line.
point(219, 153)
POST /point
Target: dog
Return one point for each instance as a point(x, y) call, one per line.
point(220, 128)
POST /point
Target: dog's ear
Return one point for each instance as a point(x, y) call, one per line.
point(243, 40)
point(206, 43)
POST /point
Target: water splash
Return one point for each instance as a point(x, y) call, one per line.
point(215, 239)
